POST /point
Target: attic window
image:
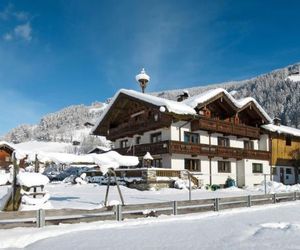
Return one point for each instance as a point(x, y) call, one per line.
point(288, 140)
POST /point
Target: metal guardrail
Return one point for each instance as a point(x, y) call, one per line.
point(41, 218)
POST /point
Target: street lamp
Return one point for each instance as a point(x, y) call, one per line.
point(143, 79)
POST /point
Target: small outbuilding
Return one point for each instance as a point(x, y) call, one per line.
point(6, 150)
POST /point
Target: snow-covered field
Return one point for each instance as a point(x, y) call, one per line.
point(90, 196)
point(269, 227)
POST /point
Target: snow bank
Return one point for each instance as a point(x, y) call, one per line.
point(35, 201)
point(4, 178)
point(32, 179)
point(275, 187)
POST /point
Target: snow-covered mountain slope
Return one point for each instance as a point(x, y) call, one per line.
point(278, 92)
point(67, 125)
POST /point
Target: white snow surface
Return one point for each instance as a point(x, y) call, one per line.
point(4, 178)
point(274, 227)
point(294, 78)
point(281, 129)
point(32, 179)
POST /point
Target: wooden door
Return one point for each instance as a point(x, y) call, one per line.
point(282, 175)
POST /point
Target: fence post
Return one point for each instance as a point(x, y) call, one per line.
point(118, 209)
point(217, 205)
point(40, 218)
point(249, 201)
point(274, 198)
point(265, 182)
point(174, 207)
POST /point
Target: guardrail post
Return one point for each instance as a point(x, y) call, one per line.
point(249, 201)
point(295, 195)
point(118, 211)
point(274, 198)
point(217, 204)
point(174, 207)
point(40, 218)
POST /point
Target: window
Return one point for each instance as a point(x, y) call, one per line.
point(222, 141)
point(192, 165)
point(157, 163)
point(288, 171)
point(191, 137)
point(274, 171)
point(288, 141)
point(257, 168)
point(124, 144)
point(248, 145)
point(224, 167)
point(156, 137)
point(137, 140)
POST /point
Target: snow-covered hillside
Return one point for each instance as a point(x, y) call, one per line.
point(277, 91)
point(67, 125)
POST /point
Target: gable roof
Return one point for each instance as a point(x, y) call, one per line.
point(186, 107)
point(239, 104)
point(4, 144)
point(168, 105)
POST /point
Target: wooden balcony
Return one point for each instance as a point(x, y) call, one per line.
point(139, 127)
point(140, 150)
point(177, 147)
point(228, 128)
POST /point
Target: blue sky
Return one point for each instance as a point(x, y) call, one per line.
point(57, 53)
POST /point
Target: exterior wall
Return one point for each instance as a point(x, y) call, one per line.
point(146, 137)
point(178, 129)
point(249, 178)
point(220, 178)
point(287, 179)
point(263, 143)
point(281, 151)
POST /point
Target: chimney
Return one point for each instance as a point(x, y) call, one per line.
point(185, 95)
point(277, 121)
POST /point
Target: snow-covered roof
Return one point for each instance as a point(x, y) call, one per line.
point(101, 148)
point(206, 96)
point(171, 106)
point(280, 129)
point(7, 144)
point(107, 160)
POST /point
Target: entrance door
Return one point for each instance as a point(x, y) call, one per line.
point(282, 175)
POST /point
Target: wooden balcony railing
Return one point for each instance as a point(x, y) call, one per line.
point(177, 147)
point(224, 127)
point(137, 127)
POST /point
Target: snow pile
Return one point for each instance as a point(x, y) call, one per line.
point(32, 179)
point(4, 178)
point(35, 201)
point(230, 189)
point(182, 184)
point(275, 187)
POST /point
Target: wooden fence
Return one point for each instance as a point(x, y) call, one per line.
point(41, 218)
